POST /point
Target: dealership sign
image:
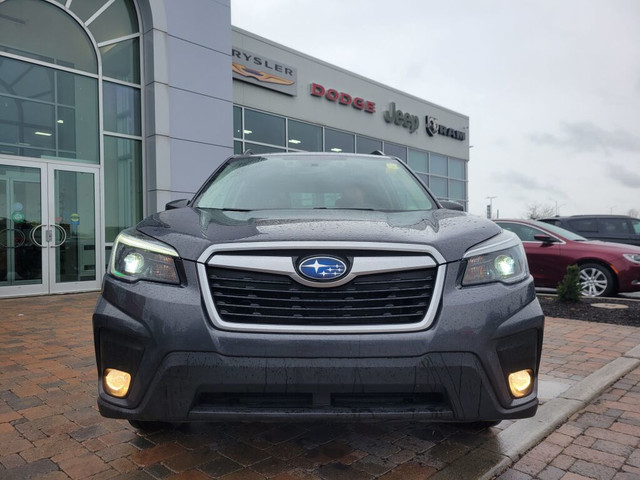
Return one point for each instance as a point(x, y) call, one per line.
point(400, 118)
point(265, 72)
point(434, 128)
point(342, 98)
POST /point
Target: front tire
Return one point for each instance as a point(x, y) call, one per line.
point(596, 280)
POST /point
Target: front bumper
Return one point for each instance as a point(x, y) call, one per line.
point(184, 369)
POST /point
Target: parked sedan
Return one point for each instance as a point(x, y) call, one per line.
point(605, 268)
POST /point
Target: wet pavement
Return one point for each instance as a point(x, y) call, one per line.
point(587, 427)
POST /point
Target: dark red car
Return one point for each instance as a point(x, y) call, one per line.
point(605, 268)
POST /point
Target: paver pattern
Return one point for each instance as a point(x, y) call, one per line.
point(50, 427)
point(602, 441)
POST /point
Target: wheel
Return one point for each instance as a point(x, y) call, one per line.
point(596, 280)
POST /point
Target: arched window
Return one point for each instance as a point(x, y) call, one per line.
point(55, 58)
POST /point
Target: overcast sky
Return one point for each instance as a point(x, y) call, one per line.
point(551, 87)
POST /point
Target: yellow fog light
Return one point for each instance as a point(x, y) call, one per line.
point(116, 382)
point(521, 383)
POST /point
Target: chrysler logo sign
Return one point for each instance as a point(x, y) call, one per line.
point(262, 71)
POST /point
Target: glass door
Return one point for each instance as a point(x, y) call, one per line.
point(49, 229)
point(23, 269)
point(71, 235)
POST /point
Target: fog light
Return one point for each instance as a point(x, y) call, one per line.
point(116, 382)
point(521, 383)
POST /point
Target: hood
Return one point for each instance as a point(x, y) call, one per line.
point(610, 247)
point(190, 231)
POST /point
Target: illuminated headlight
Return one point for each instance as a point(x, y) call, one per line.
point(501, 259)
point(632, 257)
point(136, 257)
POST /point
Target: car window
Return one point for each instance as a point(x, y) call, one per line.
point(524, 232)
point(636, 226)
point(314, 181)
point(563, 232)
point(614, 225)
point(551, 221)
point(584, 225)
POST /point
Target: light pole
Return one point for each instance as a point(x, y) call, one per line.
point(557, 206)
point(490, 207)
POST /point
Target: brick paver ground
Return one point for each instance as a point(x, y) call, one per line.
point(50, 427)
point(602, 441)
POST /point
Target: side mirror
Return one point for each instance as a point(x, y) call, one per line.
point(541, 237)
point(172, 205)
point(451, 205)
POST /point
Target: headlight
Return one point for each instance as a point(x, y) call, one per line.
point(501, 259)
point(632, 257)
point(136, 257)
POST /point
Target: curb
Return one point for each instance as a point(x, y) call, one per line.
point(494, 456)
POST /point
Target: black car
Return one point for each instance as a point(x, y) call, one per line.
point(608, 228)
point(316, 286)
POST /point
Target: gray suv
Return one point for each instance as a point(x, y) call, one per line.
point(608, 228)
point(316, 286)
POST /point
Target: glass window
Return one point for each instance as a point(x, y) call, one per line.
point(614, 225)
point(457, 190)
point(257, 148)
point(263, 128)
point(456, 168)
point(438, 164)
point(418, 160)
point(118, 20)
point(395, 150)
point(237, 122)
point(48, 109)
point(367, 145)
point(424, 177)
point(121, 109)
point(636, 225)
point(336, 141)
point(40, 30)
point(237, 147)
point(303, 136)
point(85, 9)
point(584, 225)
point(122, 60)
point(122, 184)
point(524, 232)
point(438, 187)
point(22, 79)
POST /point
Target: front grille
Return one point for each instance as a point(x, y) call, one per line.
point(390, 298)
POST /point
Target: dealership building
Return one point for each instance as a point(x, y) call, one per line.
point(109, 109)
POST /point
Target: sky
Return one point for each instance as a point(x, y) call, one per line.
point(551, 87)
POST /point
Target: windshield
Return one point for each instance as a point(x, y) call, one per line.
point(315, 181)
point(561, 231)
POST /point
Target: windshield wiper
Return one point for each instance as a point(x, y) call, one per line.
point(368, 209)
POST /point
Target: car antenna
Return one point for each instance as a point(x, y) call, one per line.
point(377, 152)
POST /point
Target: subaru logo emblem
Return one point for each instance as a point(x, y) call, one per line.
point(322, 268)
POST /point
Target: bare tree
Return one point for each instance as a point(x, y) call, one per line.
point(634, 213)
point(538, 210)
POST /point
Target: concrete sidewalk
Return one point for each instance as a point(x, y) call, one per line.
point(587, 427)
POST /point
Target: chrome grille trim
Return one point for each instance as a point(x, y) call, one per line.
point(217, 256)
